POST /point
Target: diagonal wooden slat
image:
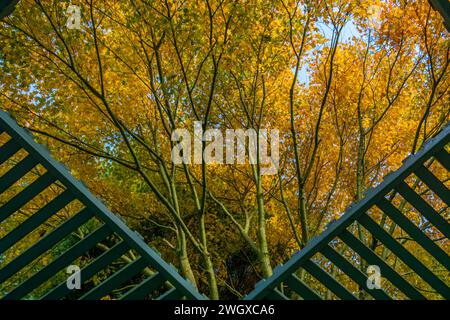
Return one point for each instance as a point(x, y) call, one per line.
point(277, 295)
point(444, 158)
point(386, 270)
point(408, 258)
point(433, 183)
point(8, 150)
point(302, 289)
point(172, 294)
point(35, 220)
point(355, 274)
point(44, 244)
point(59, 263)
point(16, 172)
point(328, 280)
point(415, 232)
point(424, 208)
point(90, 270)
point(25, 196)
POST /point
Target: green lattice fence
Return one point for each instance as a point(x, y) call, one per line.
point(404, 217)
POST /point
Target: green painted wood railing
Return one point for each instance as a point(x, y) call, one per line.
point(104, 247)
point(443, 7)
point(323, 269)
point(315, 272)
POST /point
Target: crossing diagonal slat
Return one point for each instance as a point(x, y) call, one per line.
point(16, 172)
point(328, 280)
point(44, 244)
point(386, 270)
point(25, 196)
point(302, 289)
point(8, 150)
point(444, 158)
point(144, 288)
point(355, 274)
point(434, 184)
point(115, 280)
point(35, 220)
point(172, 294)
point(415, 233)
point(90, 270)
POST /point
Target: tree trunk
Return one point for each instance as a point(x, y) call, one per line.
point(212, 281)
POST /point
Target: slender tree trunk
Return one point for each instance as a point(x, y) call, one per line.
point(185, 265)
